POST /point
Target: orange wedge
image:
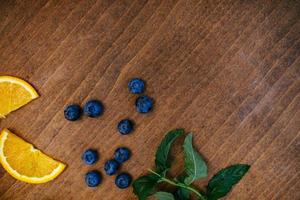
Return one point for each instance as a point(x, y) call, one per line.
point(14, 93)
point(26, 163)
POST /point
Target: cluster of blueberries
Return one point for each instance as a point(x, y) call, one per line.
point(93, 178)
point(94, 108)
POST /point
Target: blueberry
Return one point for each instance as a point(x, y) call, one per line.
point(122, 154)
point(93, 108)
point(125, 126)
point(111, 167)
point(72, 112)
point(136, 86)
point(144, 104)
point(123, 180)
point(90, 156)
point(93, 178)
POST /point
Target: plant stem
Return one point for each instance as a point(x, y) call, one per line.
point(163, 179)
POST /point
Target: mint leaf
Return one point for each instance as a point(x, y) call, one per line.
point(164, 196)
point(182, 194)
point(222, 182)
point(162, 159)
point(145, 186)
point(195, 166)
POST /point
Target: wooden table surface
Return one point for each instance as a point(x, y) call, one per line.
point(227, 70)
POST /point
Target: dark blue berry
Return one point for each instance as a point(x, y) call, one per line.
point(111, 167)
point(144, 104)
point(136, 86)
point(125, 126)
point(93, 178)
point(72, 112)
point(122, 154)
point(90, 156)
point(93, 108)
point(123, 180)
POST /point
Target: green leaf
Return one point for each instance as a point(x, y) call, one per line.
point(222, 182)
point(182, 194)
point(195, 166)
point(144, 186)
point(164, 196)
point(162, 159)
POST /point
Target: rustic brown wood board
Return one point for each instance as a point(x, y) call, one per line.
point(227, 70)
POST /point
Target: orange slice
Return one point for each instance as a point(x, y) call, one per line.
point(26, 163)
point(14, 93)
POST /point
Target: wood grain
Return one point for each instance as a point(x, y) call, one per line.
point(227, 70)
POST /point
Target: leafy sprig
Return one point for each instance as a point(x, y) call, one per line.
point(195, 168)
